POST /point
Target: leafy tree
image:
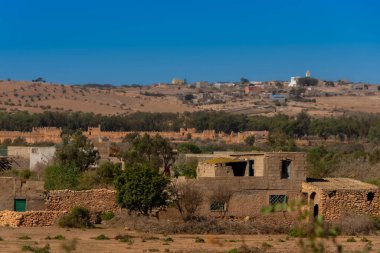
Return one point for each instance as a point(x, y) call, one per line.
point(250, 140)
point(189, 97)
point(279, 141)
point(156, 151)
point(187, 168)
point(187, 147)
point(59, 177)
point(302, 125)
point(307, 81)
point(141, 188)
point(77, 150)
point(108, 171)
point(329, 84)
point(244, 80)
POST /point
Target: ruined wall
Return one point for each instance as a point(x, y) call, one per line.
point(53, 134)
point(12, 188)
point(29, 219)
point(96, 200)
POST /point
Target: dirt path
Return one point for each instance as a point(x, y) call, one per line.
point(142, 242)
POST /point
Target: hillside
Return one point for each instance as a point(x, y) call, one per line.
point(37, 97)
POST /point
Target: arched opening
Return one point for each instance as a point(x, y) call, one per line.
point(315, 210)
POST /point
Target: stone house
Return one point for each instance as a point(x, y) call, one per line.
point(252, 180)
point(19, 195)
point(249, 181)
point(335, 198)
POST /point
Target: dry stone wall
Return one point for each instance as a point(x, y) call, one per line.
point(96, 201)
point(29, 219)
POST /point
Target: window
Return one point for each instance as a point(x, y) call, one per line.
point(218, 207)
point(370, 196)
point(278, 199)
point(285, 168)
point(251, 171)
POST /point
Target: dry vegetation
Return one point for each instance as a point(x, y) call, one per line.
point(36, 97)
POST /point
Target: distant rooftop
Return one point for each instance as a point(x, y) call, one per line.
point(340, 184)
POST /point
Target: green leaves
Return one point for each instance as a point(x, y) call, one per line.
point(141, 188)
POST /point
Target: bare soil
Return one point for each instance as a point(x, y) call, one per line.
point(144, 242)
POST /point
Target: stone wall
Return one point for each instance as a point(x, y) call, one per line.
point(29, 219)
point(96, 201)
point(333, 204)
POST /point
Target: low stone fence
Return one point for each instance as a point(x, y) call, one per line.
point(96, 200)
point(29, 219)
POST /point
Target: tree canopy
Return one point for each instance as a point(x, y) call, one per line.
point(141, 188)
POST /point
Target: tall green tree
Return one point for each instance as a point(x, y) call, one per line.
point(155, 151)
point(141, 188)
point(77, 150)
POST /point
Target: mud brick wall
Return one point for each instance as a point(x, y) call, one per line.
point(29, 219)
point(96, 201)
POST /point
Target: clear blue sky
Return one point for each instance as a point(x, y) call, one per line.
point(147, 41)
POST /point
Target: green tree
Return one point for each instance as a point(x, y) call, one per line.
point(107, 172)
point(301, 125)
point(59, 177)
point(141, 188)
point(187, 147)
point(307, 81)
point(250, 140)
point(156, 151)
point(244, 80)
point(77, 150)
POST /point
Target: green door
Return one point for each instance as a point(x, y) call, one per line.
point(20, 205)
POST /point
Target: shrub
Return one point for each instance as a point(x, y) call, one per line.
point(24, 237)
point(124, 238)
point(187, 198)
point(107, 215)
point(199, 240)
point(57, 237)
point(78, 217)
point(168, 239)
point(351, 239)
point(45, 249)
point(101, 237)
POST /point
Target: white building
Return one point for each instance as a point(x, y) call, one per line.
point(293, 81)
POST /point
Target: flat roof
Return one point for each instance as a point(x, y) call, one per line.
point(222, 160)
point(340, 183)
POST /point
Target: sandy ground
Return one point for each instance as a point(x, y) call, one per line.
point(155, 242)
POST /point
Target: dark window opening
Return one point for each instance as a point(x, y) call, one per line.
point(278, 199)
point(218, 207)
point(370, 196)
point(238, 168)
point(251, 170)
point(285, 168)
point(331, 194)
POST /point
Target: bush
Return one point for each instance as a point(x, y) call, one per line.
point(45, 249)
point(58, 177)
point(124, 238)
point(107, 215)
point(101, 237)
point(78, 217)
point(199, 240)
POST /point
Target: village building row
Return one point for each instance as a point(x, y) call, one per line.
point(247, 182)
